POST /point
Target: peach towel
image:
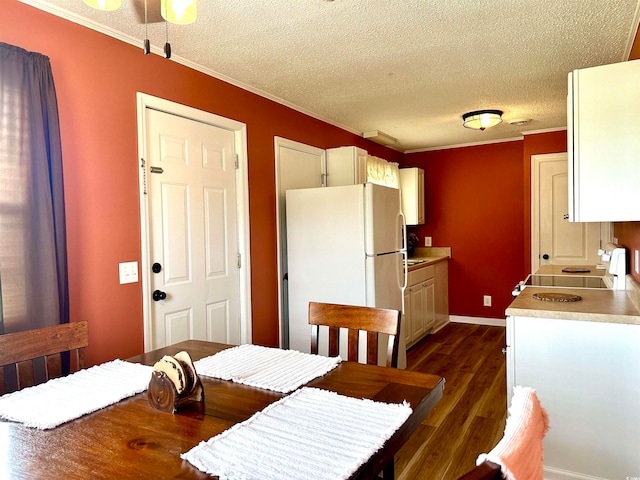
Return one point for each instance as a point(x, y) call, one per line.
point(519, 453)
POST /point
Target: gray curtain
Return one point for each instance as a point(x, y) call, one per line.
point(33, 258)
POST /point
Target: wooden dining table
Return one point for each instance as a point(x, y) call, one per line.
point(133, 440)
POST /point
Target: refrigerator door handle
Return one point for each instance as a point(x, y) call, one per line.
point(405, 254)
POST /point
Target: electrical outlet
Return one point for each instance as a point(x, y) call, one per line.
point(487, 300)
point(128, 272)
point(427, 241)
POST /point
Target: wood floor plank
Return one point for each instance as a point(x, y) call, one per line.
point(470, 417)
point(494, 403)
point(479, 439)
point(454, 387)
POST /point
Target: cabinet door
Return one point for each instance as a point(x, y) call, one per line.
point(412, 188)
point(442, 294)
point(418, 310)
point(346, 166)
point(407, 320)
point(429, 288)
point(604, 142)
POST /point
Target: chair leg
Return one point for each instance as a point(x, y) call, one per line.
point(388, 471)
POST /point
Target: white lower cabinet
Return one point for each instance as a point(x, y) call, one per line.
point(587, 376)
point(424, 307)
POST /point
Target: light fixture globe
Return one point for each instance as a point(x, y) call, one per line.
point(181, 12)
point(482, 119)
point(107, 5)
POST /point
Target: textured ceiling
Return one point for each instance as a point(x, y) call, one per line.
point(409, 68)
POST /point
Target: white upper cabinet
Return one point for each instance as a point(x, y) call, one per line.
point(603, 137)
point(346, 166)
point(412, 188)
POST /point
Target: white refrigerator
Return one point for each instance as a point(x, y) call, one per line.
point(344, 245)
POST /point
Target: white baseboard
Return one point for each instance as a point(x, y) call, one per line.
point(494, 322)
point(551, 473)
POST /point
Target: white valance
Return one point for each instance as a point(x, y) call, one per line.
point(381, 172)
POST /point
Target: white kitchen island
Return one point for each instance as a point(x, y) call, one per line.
point(583, 359)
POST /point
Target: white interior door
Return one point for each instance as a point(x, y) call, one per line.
point(191, 186)
point(297, 166)
point(555, 240)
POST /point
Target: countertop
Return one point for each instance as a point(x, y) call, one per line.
point(597, 305)
point(427, 261)
point(430, 255)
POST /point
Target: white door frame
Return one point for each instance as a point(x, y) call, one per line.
point(535, 203)
point(145, 101)
point(283, 142)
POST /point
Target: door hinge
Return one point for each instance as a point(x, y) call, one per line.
point(239, 259)
point(323, 179)
point(144, 176)
point(237, 161)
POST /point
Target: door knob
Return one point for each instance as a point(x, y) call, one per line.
point(159, 295)
point(545, 256)
point(156, 268)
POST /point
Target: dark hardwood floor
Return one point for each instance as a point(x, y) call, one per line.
point(470, 417)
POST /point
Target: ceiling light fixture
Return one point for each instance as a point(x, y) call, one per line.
point(379, 137)
point(104, 4)
point(481, 119)
point(181, 12)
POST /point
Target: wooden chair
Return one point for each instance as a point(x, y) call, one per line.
point(374, 321)
point(520, 449)
point(34, 356)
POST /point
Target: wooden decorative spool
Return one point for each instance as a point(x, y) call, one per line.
point(163, 394)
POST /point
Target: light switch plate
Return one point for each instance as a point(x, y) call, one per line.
point(637, 261)
point(128, 272)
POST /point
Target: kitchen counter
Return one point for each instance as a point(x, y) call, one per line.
point(429, 256)
point(597, 305)
point(425, 262)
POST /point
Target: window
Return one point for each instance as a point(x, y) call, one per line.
point(33, 271)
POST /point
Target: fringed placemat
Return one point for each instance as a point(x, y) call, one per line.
point(62, 399)
point(263, 367)
point(312, 434)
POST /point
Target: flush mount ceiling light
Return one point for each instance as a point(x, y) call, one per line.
point(379, 137)
point(481, 119)
point(181, 12)
point(104, 4)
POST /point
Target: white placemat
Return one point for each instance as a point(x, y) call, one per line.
point(62, 399)
point(269, 368)
point(312, 434)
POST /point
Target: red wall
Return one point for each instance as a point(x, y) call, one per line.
point(97, 78)
point(478, 201)
point(474, 205)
